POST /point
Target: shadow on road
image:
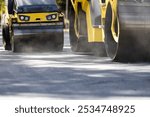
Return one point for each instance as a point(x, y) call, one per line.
point(68, 76)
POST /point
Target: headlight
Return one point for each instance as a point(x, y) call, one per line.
point(54, 16)
point(24, 18)
point(51, 17)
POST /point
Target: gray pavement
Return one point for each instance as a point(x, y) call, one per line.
point(67, 75)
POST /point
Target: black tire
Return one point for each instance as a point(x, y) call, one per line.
point(6, 37)
point(78, 44)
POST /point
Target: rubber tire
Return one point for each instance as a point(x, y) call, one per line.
point(6, 37)
point(78, 44)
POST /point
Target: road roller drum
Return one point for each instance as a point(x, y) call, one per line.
point(127, 30)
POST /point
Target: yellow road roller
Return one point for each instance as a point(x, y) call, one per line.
point(86, 26)
point(127, 30)
point(32, 25)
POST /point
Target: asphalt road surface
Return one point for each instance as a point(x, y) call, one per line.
point(67, 75)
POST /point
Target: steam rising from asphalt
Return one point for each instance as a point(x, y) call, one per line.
point(41, 42)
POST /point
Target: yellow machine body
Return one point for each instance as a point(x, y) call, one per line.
point(95, 33)
point(5, 17)
point(34, 16)
point(39, 25)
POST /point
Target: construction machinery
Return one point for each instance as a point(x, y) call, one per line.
point(123, 26)
point(32, 25)
point(127, 30)
point(86, 26)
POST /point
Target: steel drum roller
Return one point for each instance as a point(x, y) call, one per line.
point(128, 32)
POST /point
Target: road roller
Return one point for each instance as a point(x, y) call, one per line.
point(86, 26)
point(127, 30)
point(32, 25)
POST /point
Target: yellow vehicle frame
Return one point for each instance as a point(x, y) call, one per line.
point(95, 31)
point(38, 26)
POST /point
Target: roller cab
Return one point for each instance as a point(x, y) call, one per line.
point(35, 25)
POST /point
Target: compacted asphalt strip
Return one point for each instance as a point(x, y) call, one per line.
point(68, 75)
